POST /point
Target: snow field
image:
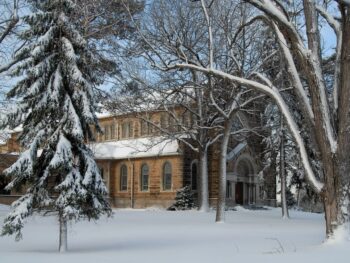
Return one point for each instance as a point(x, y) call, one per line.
point(189, 236)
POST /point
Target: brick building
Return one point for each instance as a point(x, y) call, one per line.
point(142, 168)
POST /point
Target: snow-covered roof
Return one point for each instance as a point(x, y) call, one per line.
point(104, 114)
point(135, 148)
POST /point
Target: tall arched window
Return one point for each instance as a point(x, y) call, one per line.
point(144, 177)
point(167, 176)
point(194, 177)
point(123, 178)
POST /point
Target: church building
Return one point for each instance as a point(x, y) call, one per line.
point(143, 168)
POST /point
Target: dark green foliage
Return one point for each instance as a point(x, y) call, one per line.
point(184, 199)
point(56, 106)
point(290, 198)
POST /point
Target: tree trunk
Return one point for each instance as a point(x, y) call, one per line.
point(329, 196)
point(284, 205)
point(220, 208)
point(342, 182)
point(203, 193)
point(324, 131)
point(63, 234)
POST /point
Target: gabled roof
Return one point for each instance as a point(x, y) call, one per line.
point(237, 150)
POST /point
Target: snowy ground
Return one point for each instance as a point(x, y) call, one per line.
point(161, 236)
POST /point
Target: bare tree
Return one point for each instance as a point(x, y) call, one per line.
point(325, 116)
point(9, 23)
point(185, 116)
point(9, 19)
point(173, 30)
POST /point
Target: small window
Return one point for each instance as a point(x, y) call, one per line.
point(167, 176)
point(106, 133)
point(127, 129)
point(112, 131)
point(172, 123)
point(123, 178)
point(144, 128)
point(98, 135)
point(131, 129)
point(94, 133)
point(186, 119)
point(144, 177)
point(194, 176)
point(163, 121)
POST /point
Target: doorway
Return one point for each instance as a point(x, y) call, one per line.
point(239, 193)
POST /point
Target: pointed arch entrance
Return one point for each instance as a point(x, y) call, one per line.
point(242, 182)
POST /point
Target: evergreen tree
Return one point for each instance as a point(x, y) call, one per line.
point(183, 200)
point(57, 110)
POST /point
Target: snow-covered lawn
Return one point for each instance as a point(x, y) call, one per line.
point(162, 236)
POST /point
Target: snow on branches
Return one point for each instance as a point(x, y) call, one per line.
point(57, 110)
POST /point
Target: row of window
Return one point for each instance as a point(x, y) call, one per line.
point(147, 127)
point(145, 176)
point(110, 132)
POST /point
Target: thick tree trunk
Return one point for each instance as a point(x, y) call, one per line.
point(284, 205)
point(220, 208)
point(329, 195)
point(63, 234)
point(203, 193)
point(342, 184)
point(324, 133)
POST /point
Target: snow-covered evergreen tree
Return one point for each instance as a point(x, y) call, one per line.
point(57, 110)
point(184, 199)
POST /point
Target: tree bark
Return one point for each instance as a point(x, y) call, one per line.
point(63, 234)
point(342, 184)
point(220, 207)
point(203, 193)
point(284, 205)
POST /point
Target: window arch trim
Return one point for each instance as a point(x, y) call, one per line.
point(123, 182)
point(167, 177)
point(144, 178)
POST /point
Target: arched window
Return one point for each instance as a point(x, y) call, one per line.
point(123, 178)
point(167, 176)
point(144, 177)
point(194, 177)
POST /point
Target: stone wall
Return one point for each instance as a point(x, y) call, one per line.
point(133, 196)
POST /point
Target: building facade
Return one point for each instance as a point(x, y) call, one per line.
point(142, 168)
